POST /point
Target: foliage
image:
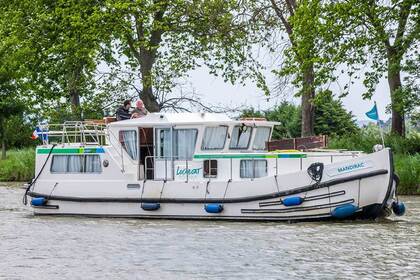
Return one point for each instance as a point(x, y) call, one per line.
point(251, 113)
point(286, 113)
point(385, 36)
point(308, 52)
point(309, 46)
point(366, 138)
point(330, 116)
point(18, 166)
point(19, 129)
point(160, 41)
point(407, 167)
point(67, 36)
point(289, 117)
point(11, 77)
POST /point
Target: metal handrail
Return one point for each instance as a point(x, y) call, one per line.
point(147, 168)
point(71, 131)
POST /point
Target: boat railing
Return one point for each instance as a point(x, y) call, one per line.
point(82, 132)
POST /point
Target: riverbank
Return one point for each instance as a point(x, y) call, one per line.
point(20, 165)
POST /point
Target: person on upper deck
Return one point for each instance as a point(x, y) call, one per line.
point(123, 113)
point(140, 110)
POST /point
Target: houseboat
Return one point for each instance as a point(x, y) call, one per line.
point(203, 166)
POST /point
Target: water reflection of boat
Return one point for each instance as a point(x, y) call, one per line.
point(203, 166)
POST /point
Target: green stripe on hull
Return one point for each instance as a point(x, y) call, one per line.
point(71, 151)
point(246, 156)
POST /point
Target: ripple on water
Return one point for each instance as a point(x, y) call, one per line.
point(85, 248)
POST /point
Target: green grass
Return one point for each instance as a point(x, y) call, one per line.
point(407, 168)
point(368, 137)
point(18, 166)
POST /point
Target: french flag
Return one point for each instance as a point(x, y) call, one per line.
point(38, 132)
point(35, 134)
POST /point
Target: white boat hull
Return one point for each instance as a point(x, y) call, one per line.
point(366, 182)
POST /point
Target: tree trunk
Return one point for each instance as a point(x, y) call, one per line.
point(397, 106)
point(308, 108)
point(74, 91)
point(149, 99)
point(3, 147)
point(2, 138)
point(75, 103)
point(147, 95)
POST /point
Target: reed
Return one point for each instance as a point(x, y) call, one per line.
point(18, 166)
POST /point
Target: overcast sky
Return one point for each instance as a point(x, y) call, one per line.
point(215, 91)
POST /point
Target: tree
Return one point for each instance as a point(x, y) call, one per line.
point(290, 118)
point(288, 114)
point(8, 109)
point(300, 20)
point(384, 35)
point(162, 40)
point(65, 38)
point(11, 73)
point(330, 116)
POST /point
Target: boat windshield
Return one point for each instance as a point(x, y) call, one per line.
point(214, 138)
point(240, 137)
point(262, 135)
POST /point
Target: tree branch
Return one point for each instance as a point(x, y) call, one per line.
point(402, 23)
point(280, 14)
point(374, 20)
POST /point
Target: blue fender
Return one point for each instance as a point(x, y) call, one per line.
point(213, 208)
point(150, 206)
point(344, 211)
point(398, 208)
point(292, 201)
point(38, 201)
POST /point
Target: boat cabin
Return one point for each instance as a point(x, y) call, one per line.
point(164, 146)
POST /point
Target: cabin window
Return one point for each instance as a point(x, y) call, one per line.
point(184, 143)
point(214, 138)
point(262, 135)
point(128, 140)
point(240, 137)
point(253, 168)
point(76, 164)
point(92, 164)
point(210, 168)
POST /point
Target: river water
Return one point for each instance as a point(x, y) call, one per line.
point(93, 248)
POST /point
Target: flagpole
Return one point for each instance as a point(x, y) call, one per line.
point(380, 128)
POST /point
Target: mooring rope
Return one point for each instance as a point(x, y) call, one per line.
point(25, 198)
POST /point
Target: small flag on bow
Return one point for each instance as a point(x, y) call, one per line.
point(373, 113)
point(38, 132)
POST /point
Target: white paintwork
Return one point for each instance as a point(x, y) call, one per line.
point(122, 180)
